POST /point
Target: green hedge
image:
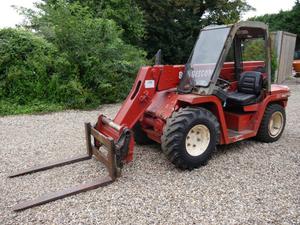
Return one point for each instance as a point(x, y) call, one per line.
point(33, 69)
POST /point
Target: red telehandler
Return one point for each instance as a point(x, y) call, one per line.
point(189, 109)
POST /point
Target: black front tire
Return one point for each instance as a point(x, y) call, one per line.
point(175, 133)
point(264, 133)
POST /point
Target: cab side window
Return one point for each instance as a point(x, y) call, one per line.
point(253, 49)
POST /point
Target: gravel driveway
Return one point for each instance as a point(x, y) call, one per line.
point(244, 183)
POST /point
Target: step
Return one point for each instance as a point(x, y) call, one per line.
point(239, 135)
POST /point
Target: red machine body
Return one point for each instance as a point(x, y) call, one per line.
point(189, 110)
point(154, 98)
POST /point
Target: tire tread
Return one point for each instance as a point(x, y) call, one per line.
point(263, 131)
point(175, 128)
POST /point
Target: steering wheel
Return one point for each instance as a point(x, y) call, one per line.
point(223, 83)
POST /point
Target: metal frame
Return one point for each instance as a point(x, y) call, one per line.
point(234, 28)
point(108, 160)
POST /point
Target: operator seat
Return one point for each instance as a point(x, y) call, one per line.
point(249, 89)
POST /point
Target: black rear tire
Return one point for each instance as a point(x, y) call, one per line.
point(264, 134)
point(176, 132)
point(140, 136)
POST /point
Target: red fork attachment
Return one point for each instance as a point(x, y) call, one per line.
point(116, 145)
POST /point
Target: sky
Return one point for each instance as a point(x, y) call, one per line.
point(9, 17)
point(268, 6)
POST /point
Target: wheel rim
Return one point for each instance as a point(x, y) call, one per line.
point(275, 124)
point(197, 140)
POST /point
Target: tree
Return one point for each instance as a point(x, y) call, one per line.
point(284, 20)
point(125, 13)
point(103, 63)
point(174, 25)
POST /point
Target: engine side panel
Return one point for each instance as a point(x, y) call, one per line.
point(169, 77)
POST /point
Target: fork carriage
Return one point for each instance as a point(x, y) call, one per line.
point(109, 160)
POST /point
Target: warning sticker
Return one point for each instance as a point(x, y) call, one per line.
point(149, 84)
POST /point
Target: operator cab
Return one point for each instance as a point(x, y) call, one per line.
point(231, 62)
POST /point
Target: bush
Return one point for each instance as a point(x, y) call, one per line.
point(72, 59)
point(105, 65)
point(32, 69)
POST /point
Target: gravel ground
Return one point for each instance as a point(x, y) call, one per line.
point(244, 183)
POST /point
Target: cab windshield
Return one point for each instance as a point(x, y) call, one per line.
point(204, 58)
